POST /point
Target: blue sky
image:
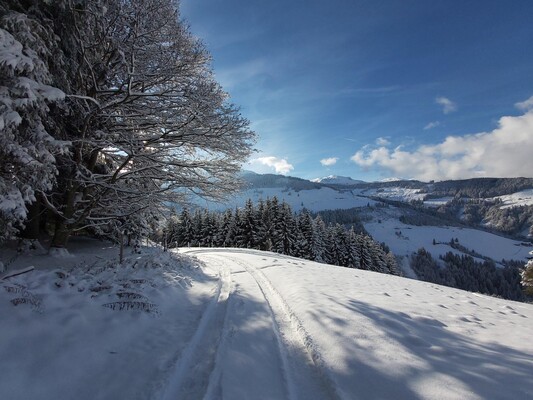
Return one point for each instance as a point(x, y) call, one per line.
point(378, 88)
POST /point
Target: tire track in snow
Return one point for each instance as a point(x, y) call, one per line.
point(304, 369)
point(193, 370)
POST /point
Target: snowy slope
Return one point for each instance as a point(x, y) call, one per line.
point(345, 334)
point(337, 180)
point(256, 325)
point(404, 239)
point(396, 193)
point(324, 198)
point(523, 198)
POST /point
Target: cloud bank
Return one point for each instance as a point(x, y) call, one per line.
point(280, 165)
point(326, 162)
point(507, 151)
point(525, 105)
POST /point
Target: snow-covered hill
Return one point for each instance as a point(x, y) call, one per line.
point(384, 223)
point(244, 324)
point(522, 198)
point(403, 239)
point(317, 199)
point(337, 180)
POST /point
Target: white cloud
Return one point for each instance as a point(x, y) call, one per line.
point(525, 105)
point(431, 125)
point(280, 165)
point(507, 151)
point(448, 106)
point(326, 162)
point(381, 141)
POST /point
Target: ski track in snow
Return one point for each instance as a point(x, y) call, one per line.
point(248, 320)
point(301, 358)
point(193, 368)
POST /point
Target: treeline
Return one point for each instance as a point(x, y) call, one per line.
point(272, 226)
point(509, 220)
point(515, 220)
point(348, 217)
point(480, 187)
point(463, 272)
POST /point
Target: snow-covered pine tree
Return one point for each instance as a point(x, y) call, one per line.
point(28, 47)
point(285, 228)
point(527, 278)
point(208, 229)
point(247, 225)
point(261, 228)
point(198, 228)
point(234, 229)
point(225, 226)
point(364, 244)
point(305, 234)
point(318, 245)
point(353, 255)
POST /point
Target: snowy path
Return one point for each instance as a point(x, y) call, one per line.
point(255, 325)
point(284, 328)
point(248, 344)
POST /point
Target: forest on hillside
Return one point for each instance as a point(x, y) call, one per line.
point(464, 272)
point(271, 225)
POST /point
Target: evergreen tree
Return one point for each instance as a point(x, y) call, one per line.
point(29, 54)
point(247, 225)
point(305, 236)
point(527, 278)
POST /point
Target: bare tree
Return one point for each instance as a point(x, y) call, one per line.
point(147, 121)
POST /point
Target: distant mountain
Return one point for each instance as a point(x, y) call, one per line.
point(337, 180)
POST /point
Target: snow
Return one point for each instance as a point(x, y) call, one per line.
point(313, 200)
point(396, 193)
point(68, 338)
point(437, 202)
point(404, 239)
point(523, 198)
point(337, 180)
point(245, 324)
point(364, 335)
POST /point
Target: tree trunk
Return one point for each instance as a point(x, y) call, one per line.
point(61, 234)
point(32, 228)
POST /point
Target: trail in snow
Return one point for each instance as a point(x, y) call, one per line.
point(191, 374)
point(248, 344)
point(295, 329)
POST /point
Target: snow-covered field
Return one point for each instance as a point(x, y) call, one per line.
point(245, 324)
point(314, 200)
point(98, 330)
point(406, 239)
point(437, 202)
point(523, 198)
point(396, 193)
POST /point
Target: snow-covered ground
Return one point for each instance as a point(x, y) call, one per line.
point(92, 329)
point(314, 200)
point(404, 239)
point(245, 324)
point(523, 198)
point(437, 202)
point(337, 180)
point(396, 193)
